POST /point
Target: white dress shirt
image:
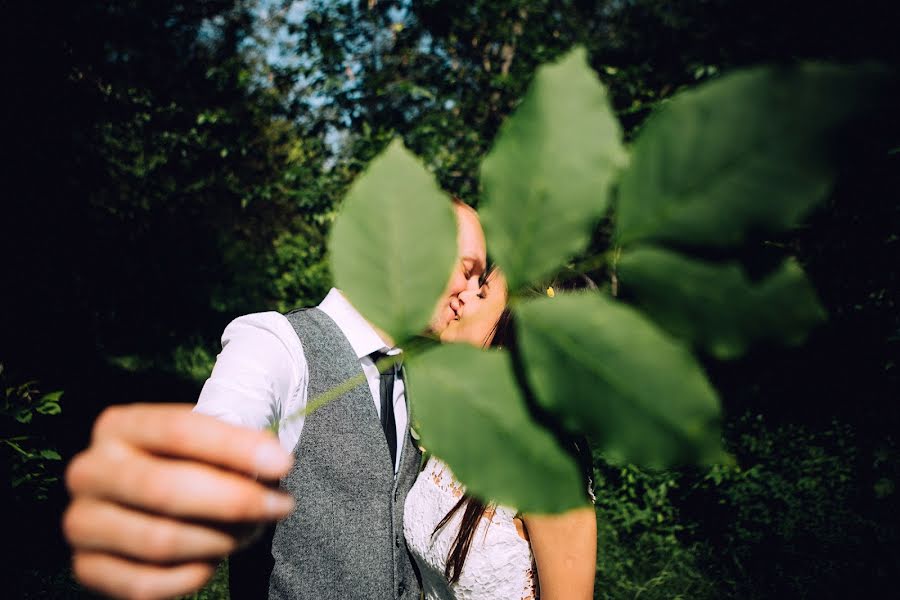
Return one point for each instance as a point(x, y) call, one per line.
point(261, 376)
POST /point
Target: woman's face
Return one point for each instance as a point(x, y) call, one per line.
point(477, 312)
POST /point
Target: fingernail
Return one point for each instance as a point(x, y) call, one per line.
point(272, 459)
point(278, 505)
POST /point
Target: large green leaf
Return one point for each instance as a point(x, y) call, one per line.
point(547, 176)
point(608, 371)
point(751, 151)
point(394, 243)
point(471, 415)
point(716, 306)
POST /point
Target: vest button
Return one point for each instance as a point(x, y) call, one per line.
point(397, 540)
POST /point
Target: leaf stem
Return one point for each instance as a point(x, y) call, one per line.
point(411, 347)
point(18, 448)
point(592, 263)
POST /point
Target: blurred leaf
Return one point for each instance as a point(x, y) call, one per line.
point(49, 408)
point(715, 306)
point(50, 454)
point(394, 243)
point(547, 176)
point(24, 415)
point(472, 416)
point(52, 396)
point(751, 151)
point(49, 403)
point(606, 370)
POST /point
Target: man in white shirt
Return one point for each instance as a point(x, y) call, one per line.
point(163, 492)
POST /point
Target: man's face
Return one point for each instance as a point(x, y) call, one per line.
point(471, 261)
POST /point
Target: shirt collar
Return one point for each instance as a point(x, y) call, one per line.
point(362, 336)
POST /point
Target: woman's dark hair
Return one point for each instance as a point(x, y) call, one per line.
point(474, 508)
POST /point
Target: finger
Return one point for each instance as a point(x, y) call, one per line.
point(123, 578)
point(94, 525)
point(172, 487)
point(174, 430)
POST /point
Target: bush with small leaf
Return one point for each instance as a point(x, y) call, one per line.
point(28, 455)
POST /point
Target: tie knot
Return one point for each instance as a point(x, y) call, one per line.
point(387, 363)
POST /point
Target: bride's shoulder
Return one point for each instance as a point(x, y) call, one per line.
point(438, 473)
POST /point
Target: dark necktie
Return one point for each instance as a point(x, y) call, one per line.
point(389, 374)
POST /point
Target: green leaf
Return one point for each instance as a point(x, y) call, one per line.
point(546, 179)
point(24, 416)
point(49, 403)
point(606, 370)
point(393, 245)
point(49, 408)
point(716, 306)
point(52, 396)
point(753, 151)
point(471, 415)
point(50, 454)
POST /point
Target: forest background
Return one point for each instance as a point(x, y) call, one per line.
point(170, 165)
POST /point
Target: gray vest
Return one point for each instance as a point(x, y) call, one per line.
point(345, 538)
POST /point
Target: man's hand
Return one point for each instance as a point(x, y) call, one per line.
point(162, 494)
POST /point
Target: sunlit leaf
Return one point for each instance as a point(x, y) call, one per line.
point(52, 396)
point(716, 306)
point(752, 151)
point(606, 370)
point(546, 179)
point(49, 408)
point(472, 415)
point(49, 403)
point(394, 243)
point(50, 454)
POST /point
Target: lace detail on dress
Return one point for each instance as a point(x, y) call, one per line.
point(499, 563)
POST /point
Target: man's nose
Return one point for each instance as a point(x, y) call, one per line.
point(455, 303)
point(458, 283)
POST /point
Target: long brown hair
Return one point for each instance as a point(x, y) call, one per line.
point(474, 508)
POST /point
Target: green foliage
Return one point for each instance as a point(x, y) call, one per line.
point(703, 164)
point(692, 438)
point(193, 361)
point(393, 247)
point(641, 551)
point(547, 176)
point(297, 269)
point(599, 367)
point(479, 424)
point(166, 178)
point(751, 152)
point(606, 370)
point(176, 171)
point(715, 306)
point(29, 465)
point(795, 517)
point(216, 588)
point(440, 75)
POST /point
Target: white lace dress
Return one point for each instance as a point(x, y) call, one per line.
point(499, 564)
